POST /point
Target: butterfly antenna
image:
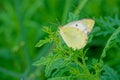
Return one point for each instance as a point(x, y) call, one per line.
point(58, 22)
point(53, 23)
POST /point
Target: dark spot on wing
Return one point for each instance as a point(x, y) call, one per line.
point(76, 25)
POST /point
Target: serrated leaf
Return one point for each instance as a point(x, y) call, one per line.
point(56, 64)
point(94, 61)
point(44, 60)
point(72, 17)
point(109, 74)
point(107, 26)
point(62, 78)
point(42, 42)
point(110, 42)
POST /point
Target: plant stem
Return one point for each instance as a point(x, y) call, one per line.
point(80, 6)
point(66, 10)
point(10, 73)
point(85, 66)
point(23, 35)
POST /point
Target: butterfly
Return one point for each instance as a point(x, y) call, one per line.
point(75, 34)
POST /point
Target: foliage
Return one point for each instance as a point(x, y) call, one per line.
point(109, 74)
point(21, 24)
point(64, 63)
point(59, 64)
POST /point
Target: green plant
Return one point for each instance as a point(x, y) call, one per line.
point(21, 23)
point(66, 64)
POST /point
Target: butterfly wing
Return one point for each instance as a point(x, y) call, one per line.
point(73, 37)
point(89, 23)
point(77, 24)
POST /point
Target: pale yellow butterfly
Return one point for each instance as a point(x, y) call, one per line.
point(75, 34)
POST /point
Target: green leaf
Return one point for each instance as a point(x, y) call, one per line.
point(62, 78)
point(110, 42)
point(106, 26)
point(42, 42)
point(55, 63)
point(72, 17)
point(109, 74)
point(44, 60)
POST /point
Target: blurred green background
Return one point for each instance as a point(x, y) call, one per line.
point(21, 23)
